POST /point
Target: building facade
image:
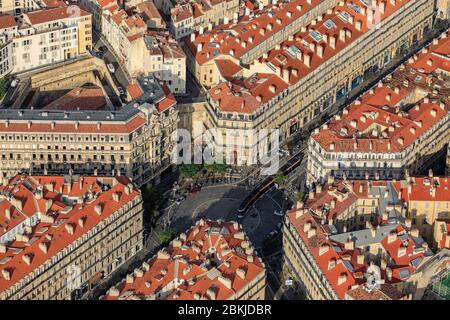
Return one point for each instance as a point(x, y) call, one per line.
point(188, 17)
point(213, 260)
point(165, 60)
point(400, 124)
point(329, 261)
point(96, 8)
point(44, 37)
point(136, 141)
point(61, 234)
point(313, 69)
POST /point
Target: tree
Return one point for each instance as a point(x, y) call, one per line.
point(165, 236)
point(190, 170)
point(4, 85)
point(153, 198)
point(299, 196)
point(280, 179)
point(216, 167)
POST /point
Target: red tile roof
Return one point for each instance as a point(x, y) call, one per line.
point(53, 14)
point(351, 130)
point(248, 28)
point(301, 54)
point(329, 255)
point(189, 259)
point(424, 189)
point(24, 198)
point(7, 21)
point(83, 126)
point(80, 98)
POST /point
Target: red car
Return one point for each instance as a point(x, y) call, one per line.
point(194, 190)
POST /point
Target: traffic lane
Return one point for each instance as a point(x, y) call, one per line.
point(260, 220)
point(119, 74)
point(218, 202)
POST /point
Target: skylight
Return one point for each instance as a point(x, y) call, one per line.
point(329, 24)
point(344, 16)
point(315, 35)
point(293, 51)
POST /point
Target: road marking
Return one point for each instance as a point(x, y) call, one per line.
point(195, 212)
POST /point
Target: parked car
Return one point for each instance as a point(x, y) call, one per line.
point(111, 68)
point(14, 83)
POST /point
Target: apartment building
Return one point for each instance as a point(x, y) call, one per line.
point(400, 124)
point(441, 234)
point(249, 38)
point(364, 292)
point(125, 34)
point(96, 8)
point(330, 264)
point(17, 7)
point(150, 14)
point(316, 67)
point(443, 9)
point(350, 205)
point(135, 141)
point(187, 17)
point(165, 60)
point(61, 234)
point(213, 260)
point(426, 200)
point(43, 37)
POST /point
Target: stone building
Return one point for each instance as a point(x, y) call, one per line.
point(61, 234)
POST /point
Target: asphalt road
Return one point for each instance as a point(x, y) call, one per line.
point(120, 76)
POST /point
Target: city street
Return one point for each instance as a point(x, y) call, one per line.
point(120, 76)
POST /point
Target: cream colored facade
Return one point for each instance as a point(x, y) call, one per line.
point(100, 251)
point(30, 45)
point(443, 9)
point(135, 141)
point(310, 96)
point(204, 71)
point(17, 7)
point(125, 34)
point(217, 13)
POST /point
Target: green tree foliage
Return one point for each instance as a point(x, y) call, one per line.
point(190, 170)
point(165, 236)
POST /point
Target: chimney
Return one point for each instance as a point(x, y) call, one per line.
point(306, 227)
point(43, 247)
point(307, 60)
point(312, 232)
point(392, 237)
point(333, 42)
point(349, 244)
point(286, 75)
point(342, 278)
point(98, 209)
point(360, 259)
point(211, 294)
point(389, 273)
point(69, 228)
point(323, 249)
point(27, 259)
point(383, 264)
point(318, 188)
